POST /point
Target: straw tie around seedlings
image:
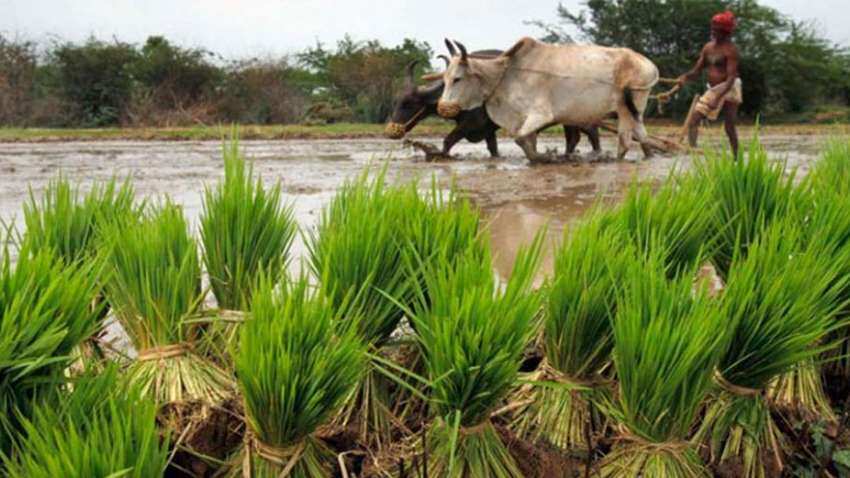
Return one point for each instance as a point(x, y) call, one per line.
point(577, 337)
point(245, 230)
point(472, 334)
point(155, 288)
point(780, 303)
point(295, 367)
point(666, 342)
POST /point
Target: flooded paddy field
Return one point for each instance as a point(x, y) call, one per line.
point(516, 198)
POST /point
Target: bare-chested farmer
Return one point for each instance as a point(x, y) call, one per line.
point(720, 57)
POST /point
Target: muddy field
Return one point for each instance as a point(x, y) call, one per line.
point(517, 198)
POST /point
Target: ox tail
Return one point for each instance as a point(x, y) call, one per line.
point(629, 99)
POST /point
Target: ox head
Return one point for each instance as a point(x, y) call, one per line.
point(412, 105)
point(469, 77)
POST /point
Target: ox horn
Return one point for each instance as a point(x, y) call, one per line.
point(452, 50)
point(464, 56)
point(445, 59)
point(410, 69)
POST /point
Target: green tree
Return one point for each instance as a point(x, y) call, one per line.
point(785, 65)
point(175, 75)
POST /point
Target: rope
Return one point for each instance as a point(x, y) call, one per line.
point(286, 457)
point(473, 430)
point(163, 352)
point(625, 435)
point(547, 370)
point(734, 389)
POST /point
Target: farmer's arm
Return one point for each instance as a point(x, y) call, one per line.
point(695, 71)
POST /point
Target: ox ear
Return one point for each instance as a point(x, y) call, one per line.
point(517, 47)
point(432, 77)
point(452, 50)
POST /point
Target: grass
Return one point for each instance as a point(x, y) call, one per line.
point(99, 428)
point(780, 304)
point(155, 287)
point(666, 344)
point(472, 334)
point(577, 337)
point(295, 366)
point(45, 312)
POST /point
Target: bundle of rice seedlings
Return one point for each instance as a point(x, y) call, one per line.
point(679, 215)
point(365, 246)
point(472, 335)
point(746, 195)
point(832, 171)
point(780, 305)
point(70, 222)
point(666, 343)
point(245, 229)
point(577, 336)
point(45, 312)
point(295, 367)
point(154, 287)
point(99, 429)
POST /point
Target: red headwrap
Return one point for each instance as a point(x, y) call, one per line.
point(724, 22)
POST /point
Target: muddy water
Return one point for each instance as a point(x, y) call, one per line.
point(516, 198)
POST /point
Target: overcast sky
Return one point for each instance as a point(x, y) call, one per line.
point(273, 27)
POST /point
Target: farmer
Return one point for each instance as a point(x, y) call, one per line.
point(720, 57)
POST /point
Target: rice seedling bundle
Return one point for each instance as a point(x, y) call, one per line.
point(679, 216)
point(245, 230)
point(70, 222)
point(472, 335)
point(154, 287)
point(295, 367)
point(45, 312)
point(99, 429)
point(369, 244)
point(832, 171)
point(577, 335)
point(747, 195)
point(666, 342)
point(780, 305)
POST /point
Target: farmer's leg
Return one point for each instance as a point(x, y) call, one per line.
point(730, 111)
point(693, 128)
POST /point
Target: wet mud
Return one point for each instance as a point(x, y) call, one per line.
point(516, 198)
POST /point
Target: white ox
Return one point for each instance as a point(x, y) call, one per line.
point(535, 85)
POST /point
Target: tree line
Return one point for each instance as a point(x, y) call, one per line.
point(787, 67)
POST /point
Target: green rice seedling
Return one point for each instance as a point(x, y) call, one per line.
point(679, 215)
point(832, 171)
point(245, 229)
point(70, 222)
point(780, 305)
point(747, 195)
point(100, 428)
point(472, 335)
point(666, 343)
point(154, 287)
point(295, 366)
point(577, 335)
point(45, 312)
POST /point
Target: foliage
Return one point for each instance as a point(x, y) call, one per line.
point(295, 367)
point(100, 428)
point(245, 230)
point(17, 80)
point(786, 66)
point(45, 312)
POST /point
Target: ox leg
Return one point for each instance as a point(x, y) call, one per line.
point(592, 133)
point(493, 145)
point(573, 137)
point(625, 127)
point(451, 139)
point(526, 138)
point(643, 138)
